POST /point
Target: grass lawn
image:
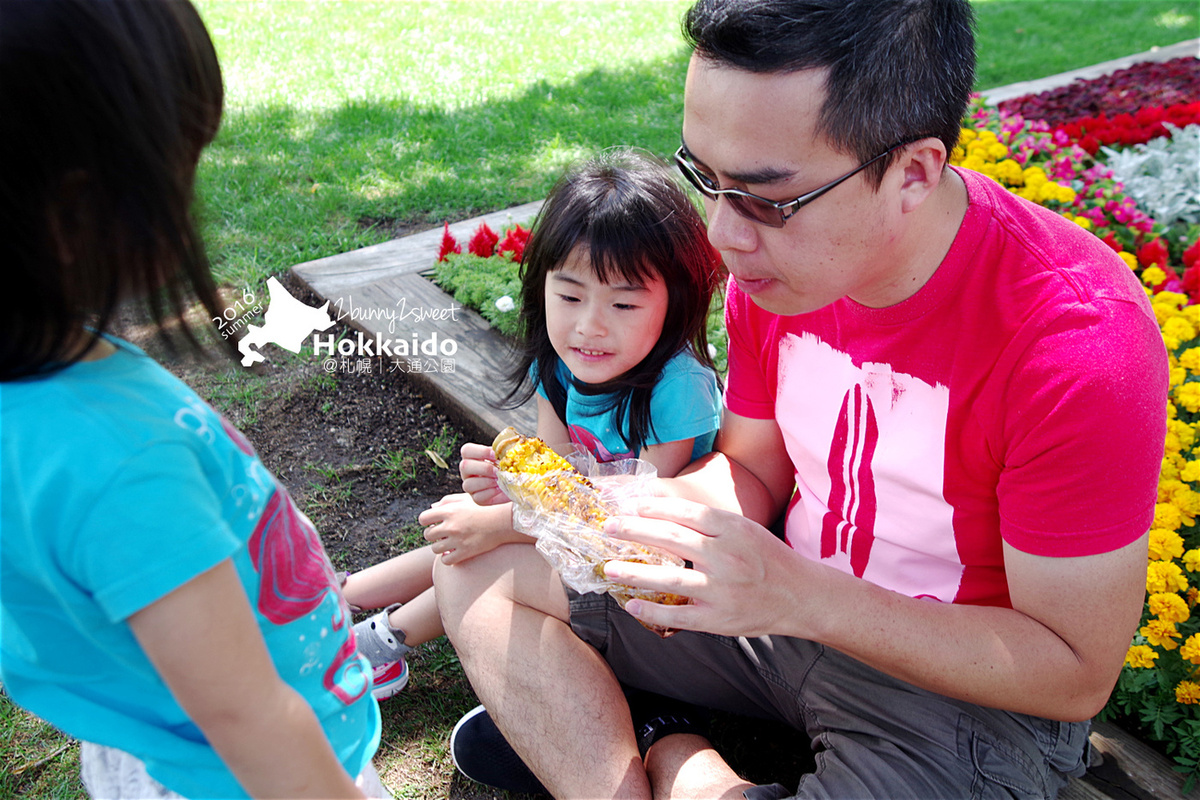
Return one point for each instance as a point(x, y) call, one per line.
point(350, 122)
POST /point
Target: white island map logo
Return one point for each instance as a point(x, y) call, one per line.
point(287, 323)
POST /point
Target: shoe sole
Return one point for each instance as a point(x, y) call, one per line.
point(390, 689)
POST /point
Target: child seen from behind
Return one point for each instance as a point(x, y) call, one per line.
point(162, 598)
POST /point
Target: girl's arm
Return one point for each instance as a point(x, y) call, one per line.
point(204, 641)
point(669, 457)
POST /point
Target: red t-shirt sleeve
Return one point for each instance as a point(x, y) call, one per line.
point(1084, 451)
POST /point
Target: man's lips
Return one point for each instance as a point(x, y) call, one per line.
point(752, 285)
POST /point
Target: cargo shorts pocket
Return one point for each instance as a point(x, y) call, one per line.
point(1001, 768)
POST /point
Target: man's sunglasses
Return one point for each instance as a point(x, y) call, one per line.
point(760, 209)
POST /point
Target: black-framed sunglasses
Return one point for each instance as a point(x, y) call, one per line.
point(759, 209)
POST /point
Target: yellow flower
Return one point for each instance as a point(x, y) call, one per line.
point(1169, 607)
point(1082, 222)
point(1176, 330)
point(1160, 633)
point(1153, 276)
point(1166, 576)
point(1191, 560)
point(1165, 545)
point(1167, 516)
point(1140, 656)
point(1188, 396)
point(1187, 692)
point(1188, 503)
point(1191, 649)
point(1190, 360)
point(1129, 258)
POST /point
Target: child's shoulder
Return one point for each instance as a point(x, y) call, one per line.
point(122, 401)
point(685, 366)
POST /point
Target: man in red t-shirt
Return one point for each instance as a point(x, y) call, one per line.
point(956, 397)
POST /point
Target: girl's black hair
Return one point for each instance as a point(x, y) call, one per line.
point(105, 106)
point(637, 222)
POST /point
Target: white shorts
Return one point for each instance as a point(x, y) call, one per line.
point(112, 774)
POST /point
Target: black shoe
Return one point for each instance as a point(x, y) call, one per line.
point(655, 716)
point(482, 753)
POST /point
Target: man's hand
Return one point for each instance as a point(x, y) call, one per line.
point(739, 577)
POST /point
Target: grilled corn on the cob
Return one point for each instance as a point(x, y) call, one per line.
point(571, 513)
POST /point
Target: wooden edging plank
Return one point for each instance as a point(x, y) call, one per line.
point(338, 274)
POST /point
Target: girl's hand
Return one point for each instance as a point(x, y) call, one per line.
point(459, 529)
point(478, 470)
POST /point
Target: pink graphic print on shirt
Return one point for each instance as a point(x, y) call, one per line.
point(585, 438)
point(295, 577)
point(868, 445)
point(849, 525)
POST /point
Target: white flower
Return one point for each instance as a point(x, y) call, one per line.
point(712, 350)
point(1161, 175)
point(505, 303)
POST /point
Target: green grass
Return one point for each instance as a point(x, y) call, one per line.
point(345, 118)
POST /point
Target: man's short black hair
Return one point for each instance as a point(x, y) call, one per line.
point(898, 70)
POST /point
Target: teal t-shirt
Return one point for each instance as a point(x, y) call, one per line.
point(117, 486)
point(685, 404)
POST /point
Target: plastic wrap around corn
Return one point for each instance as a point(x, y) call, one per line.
point(565, 511)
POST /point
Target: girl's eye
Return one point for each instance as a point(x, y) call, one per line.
point(566, 298)
point(624, 307)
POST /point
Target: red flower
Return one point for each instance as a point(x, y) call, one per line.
point(483, 243)
point(1152, 254)
point(1111, 241)
point(449, 245)
point(1191, 282)
point(514, 242)
point(1191, 256)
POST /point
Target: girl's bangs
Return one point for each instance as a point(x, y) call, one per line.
point(621, 260)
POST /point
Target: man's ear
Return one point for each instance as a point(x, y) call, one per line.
point(923, 163)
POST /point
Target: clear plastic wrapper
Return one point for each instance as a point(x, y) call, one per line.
point(564, 503)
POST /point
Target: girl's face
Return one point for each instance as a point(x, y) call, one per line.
point(601, 330)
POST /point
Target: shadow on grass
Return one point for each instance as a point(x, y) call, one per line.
point(281, 186)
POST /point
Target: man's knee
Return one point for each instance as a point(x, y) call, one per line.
point(509, 574)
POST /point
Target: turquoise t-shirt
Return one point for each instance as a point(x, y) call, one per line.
point(685, 404)
point(118, 486)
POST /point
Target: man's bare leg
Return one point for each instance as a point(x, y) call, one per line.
point(552, 696)
point(686, 766)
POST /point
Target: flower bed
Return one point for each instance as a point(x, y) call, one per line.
point(1158, 692)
